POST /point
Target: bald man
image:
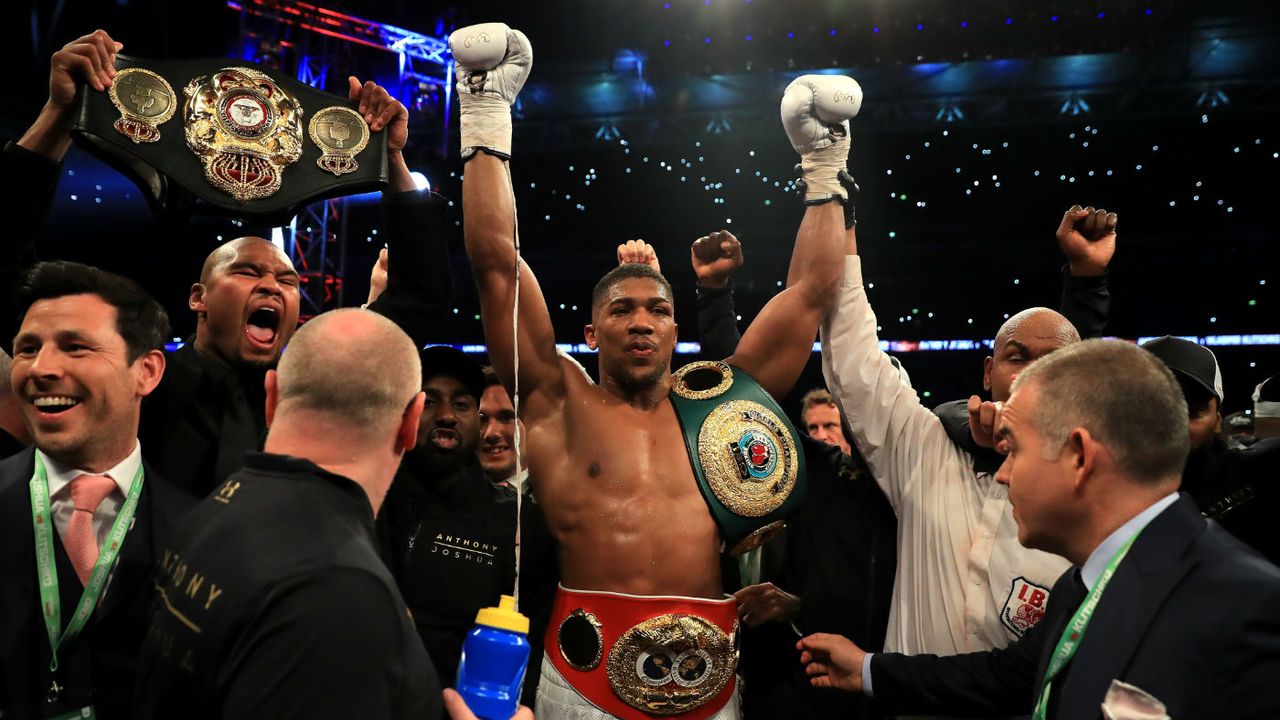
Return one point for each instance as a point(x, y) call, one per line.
point(963, 582)
point(272, 601)
point(1164, 614)
point(209, 410)
point(210, 413)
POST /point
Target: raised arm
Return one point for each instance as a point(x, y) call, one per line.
point(891, 429)
point(411, 282)
point(1087, 238)
point(715, 257)
point(35, 159)
point(774, 349)
point(492, 62)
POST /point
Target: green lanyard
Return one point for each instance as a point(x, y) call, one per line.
point(1073, 633)
point(47, 572)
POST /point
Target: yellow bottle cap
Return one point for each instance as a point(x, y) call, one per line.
point(504, 617)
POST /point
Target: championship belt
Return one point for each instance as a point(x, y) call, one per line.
point(228, 137)
point(745, 454)
point(638, 657)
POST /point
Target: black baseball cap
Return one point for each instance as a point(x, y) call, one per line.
point(445, 360)
point(1189, 360)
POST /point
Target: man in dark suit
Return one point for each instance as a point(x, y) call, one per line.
point(208, 412)
point(1164, 611)
point(89, 348)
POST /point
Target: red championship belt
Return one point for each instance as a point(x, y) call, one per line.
point(642, 657)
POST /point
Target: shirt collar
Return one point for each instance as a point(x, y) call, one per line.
point(518, 480)
point(1102, 554)
point(123, 473)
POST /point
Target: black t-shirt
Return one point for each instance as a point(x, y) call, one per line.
point(1239, 488)
point(449, 541)
point(273, 603)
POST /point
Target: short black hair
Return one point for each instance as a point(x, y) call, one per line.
point(140, 320)
point(490, 377)
point(627, 271)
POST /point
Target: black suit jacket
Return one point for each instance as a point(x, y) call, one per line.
point(203, 418)
point(96, 668)
point(1190, 617)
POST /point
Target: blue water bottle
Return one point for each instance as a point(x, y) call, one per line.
point(494, 658)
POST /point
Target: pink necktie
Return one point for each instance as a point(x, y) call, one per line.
point(87, 493)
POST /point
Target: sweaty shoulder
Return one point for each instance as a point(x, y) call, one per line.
point(573, 380)
point(574, 374)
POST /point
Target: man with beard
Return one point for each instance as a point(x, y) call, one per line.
point(832, 569)
point(447, 532)
point(617, 466)
point(1235, 486)
point(208, 411)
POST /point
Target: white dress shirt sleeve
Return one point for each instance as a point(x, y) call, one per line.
point(893, 431)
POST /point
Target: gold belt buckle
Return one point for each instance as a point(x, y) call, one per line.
point(672, 663)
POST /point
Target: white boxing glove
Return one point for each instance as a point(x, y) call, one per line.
point(815, 113)
point(491, 64)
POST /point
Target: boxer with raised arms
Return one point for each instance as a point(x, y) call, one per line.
point(640, 483)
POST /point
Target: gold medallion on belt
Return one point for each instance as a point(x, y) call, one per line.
point(748, 457)
point(672, 663)
point(244, 128)
point(145, 101)
point(341, 134)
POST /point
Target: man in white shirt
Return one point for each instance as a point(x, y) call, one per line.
point(81, 516)
point(963, 582)
point(1165, 614)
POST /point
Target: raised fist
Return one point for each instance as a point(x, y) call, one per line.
point(715, 257)
point(638, 251)
point(491, 63)
point(1087, 237)
point(815, 113)
point(490, 59)
point(816, 110)
point(92, 57)
point(381, 111)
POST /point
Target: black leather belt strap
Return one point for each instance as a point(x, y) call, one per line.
point(171, 175)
